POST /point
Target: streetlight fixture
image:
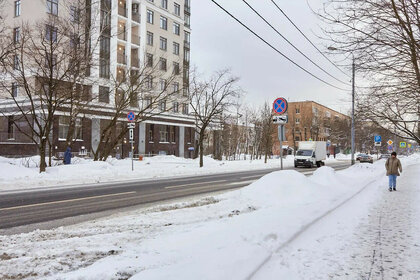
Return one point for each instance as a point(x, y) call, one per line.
point(352, 107)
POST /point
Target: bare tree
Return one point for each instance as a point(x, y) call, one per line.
point(148, 91)
point(268, 130)
point(384, 39)
point(44, 67)
point(209, 98)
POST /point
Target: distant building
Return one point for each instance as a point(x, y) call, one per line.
point(309, 120)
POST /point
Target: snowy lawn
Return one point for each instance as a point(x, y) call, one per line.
point(223, 236)
point(23, 173)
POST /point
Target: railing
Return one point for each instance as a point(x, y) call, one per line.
point(135, 17)
point(187, 9)
point(121, 59)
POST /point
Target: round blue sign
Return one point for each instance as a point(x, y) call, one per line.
point(280, 106)
point(131, 116)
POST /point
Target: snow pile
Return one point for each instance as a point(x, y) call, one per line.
point(219, 237)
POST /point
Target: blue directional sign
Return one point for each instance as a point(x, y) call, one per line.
point(378, 138)
point(280, 106)
point(131, 116)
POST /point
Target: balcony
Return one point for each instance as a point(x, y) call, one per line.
point(122, 11)
point(135, 62)
point(135, 17)
point(135, 40)
point(187, 9)
point(121, 59)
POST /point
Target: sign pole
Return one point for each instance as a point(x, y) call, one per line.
point(132, 160)
point(281, 146)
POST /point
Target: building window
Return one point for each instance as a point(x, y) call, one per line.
point(297, 110)
point(104, 94)
point(52, 7)
point(149, 82)
point(162, 106)
point(147, 102)
point(150, 16)
point(297, 138)
point(163, 133)
point(63, 128)
point(16, 62)
point(149, 60)
point(177, 9)
point(16, 35)
point(17, 8)
point(175, 107)
point(177, 28)
point(187, 55)
point(15, 90)
point(175, 87)
point(172, 136)
point(187, 20)
point(151, 132)
point(164, 4)
point(176, 68)
point(162, 84)
point(297, 120)
point(163, 43)
point(10, 128)
point(74, 14)
point(162, 64)
point(51, 33)
point(185, 109)
point(104, 68)
point(163, 23)
point(176, 48)
point(149, 38)
point(187, 37)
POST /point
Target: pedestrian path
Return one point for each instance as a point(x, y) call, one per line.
point(390, 240)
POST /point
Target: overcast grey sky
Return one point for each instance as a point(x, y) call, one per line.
point(219, 42)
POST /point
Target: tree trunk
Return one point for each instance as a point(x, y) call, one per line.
point(42, 162)
point(201, 154)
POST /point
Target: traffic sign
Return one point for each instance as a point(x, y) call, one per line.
point(409, 145)
point(131, 134)
point(390, 148)
point(280, 119)
point(378, 144)
point(403, 144)
point(131, 116)
point(280, 106)
point(281, 133)
point(378, 138)
point(390, 142)
point(131, 125)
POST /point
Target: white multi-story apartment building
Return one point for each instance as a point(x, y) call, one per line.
point(134, 34)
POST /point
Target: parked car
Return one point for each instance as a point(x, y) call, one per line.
point(358, 156)
point(366, 158)
point(385, 156)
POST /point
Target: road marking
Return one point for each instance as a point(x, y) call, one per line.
point(242, 182)
point(194, 184)
point(63, 201)
point(255, 176)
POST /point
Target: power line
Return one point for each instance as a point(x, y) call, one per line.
point(303, 34)
point(290, 43)
point(275, 49)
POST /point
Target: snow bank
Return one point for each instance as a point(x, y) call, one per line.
point(23, 173)
point(218, 237)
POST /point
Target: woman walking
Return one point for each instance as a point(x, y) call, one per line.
point(393, 165)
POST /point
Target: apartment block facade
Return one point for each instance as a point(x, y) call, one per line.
point(310, 121)
point(134, 34)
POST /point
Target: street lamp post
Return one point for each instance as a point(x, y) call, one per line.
point(352, 106)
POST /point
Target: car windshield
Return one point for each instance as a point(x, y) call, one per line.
point(307, 153)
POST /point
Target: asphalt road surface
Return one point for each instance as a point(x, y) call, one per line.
point(37, 206)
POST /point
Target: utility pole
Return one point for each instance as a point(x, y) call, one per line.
point(352, 114)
